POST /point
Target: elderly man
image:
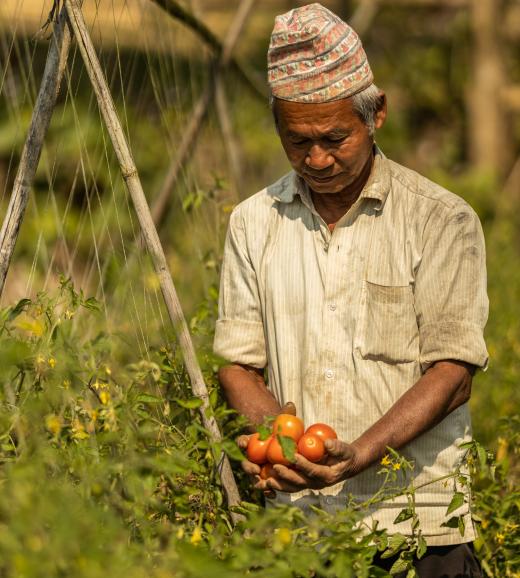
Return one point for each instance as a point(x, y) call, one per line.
point(359, 288)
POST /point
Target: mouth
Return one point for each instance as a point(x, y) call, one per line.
point(321, 179)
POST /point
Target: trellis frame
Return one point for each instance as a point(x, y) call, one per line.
point(70, 22)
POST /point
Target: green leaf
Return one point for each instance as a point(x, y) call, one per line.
point(232, 450)
point(264, 432)
point(462, 525)
point(394, 545)
point(453, 522)
point(192, 403)
point(421, 547)
point(92, 303)
point(147, 398)
point(288, 447)
point(400, 565)
point(18, 308)
point(456, 502)
point(412, 573)
point(404, 514)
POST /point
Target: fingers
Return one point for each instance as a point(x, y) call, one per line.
point(242, 441)
point(339, 449)
point(250, 468)
point(289, 408)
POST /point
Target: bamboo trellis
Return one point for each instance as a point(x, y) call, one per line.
point(70, 21)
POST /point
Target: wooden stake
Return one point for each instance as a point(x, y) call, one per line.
point(41, 117)
point(153, 243)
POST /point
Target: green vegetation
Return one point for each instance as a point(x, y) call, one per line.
point(106, 469)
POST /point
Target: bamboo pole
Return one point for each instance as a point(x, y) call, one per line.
point(41, 117)
point(153, 243)
point(200, 110)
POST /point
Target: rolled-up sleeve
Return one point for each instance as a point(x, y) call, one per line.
point(450, 288)
point(239, 332)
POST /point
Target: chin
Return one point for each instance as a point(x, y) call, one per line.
point(326, 188)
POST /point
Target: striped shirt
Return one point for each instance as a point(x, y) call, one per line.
point(346, 322)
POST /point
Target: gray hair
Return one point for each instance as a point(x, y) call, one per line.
point(366, 105)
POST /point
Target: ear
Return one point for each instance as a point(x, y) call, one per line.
point(380, 117)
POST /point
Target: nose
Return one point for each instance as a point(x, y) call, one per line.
point(318, 158)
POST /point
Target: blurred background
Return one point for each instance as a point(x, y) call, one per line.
point(203, 139)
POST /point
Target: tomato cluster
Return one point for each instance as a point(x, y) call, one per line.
point(310, 443)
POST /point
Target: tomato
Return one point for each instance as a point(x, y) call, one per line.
point(275, 453)
point(257, 449)
point(323, 431)
point(311, 447)
point(267, 471)
point(288, 425)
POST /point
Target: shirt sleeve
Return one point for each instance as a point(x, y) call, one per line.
point(450, 288)
point(239, 332)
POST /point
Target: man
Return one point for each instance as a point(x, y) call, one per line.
point(360, 287)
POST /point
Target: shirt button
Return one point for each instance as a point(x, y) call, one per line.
point(326, 247)
point(332, 307)
point(329, 500)
point(329, 373)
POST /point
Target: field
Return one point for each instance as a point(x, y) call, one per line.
point(106, 468)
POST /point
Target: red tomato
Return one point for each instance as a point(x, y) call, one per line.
point(311, 447)
point(257, 449)
point(267, 471)
point(275, 453)
point(288, 425)
point(323, 431)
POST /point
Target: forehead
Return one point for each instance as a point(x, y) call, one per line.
point(315, 117)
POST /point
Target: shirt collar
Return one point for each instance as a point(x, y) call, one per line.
point(377, 186)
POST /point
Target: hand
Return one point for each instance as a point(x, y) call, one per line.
point(341, 463)
point(253, 469)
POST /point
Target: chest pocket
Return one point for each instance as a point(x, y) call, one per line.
point(387, 326)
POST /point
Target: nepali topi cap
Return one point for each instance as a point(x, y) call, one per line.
point(314, 56)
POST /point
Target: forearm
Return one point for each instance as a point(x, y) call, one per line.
point(246, 392)
point(443, 388)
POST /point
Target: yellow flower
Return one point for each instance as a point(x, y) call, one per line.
point(52, 362)
point(104, 397)
point(69, 314)
point(485, 524)
point(93, 415)
point(66, 383)
point(500, 538)
point(180, 533)
point(108, 371)
point(502, 449)
point(53, 424)
point(40, 360)
point(284, 536)
point(396, 466)
point(386, 461)
point(196, 537)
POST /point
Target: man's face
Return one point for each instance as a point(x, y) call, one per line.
point(327, 144)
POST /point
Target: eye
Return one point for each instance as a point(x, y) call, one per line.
point(336, 139)
point(298, 141)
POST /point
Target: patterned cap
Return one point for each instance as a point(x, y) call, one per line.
point(314, 56)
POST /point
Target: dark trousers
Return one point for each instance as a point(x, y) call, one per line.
point(457, 561)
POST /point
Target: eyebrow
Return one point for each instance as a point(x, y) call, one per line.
point(335, 132)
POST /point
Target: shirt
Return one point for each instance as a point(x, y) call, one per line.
point(346, 322)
